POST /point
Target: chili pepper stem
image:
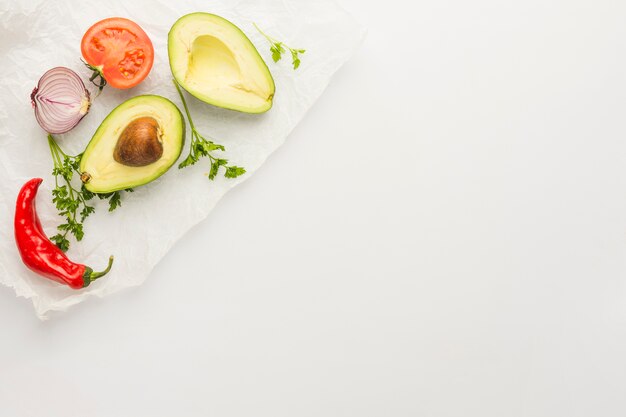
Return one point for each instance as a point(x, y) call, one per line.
point(95, 275)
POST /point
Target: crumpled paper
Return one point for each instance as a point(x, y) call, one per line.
point(36, 36)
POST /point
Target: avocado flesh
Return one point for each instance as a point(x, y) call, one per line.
point(215, 61)
point(103, 174)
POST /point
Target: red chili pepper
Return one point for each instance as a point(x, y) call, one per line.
point(38, 252)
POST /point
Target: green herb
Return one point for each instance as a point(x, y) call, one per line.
point(71, 202)
point(277, 49)
point(202, 147)
point(115, 198)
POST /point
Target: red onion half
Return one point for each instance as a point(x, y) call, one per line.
point(60, 100)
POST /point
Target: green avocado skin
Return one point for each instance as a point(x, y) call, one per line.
point(153, 171)
point(262, 65)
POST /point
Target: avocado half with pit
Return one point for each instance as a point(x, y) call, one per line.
point(215, 62)
point(135, 144)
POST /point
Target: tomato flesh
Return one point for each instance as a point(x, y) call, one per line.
point(121, 51)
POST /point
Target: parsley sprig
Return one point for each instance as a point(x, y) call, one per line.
point(278, 49)
point(203, 147)
point(72, 203)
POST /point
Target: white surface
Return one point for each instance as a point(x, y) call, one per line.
point(443, 235)
point(137, 234)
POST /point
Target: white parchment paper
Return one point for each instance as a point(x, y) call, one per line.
point(38, 35)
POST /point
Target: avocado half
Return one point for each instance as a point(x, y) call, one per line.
point(215, 62)
point(135, 144)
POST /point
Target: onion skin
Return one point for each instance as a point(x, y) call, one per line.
point(60, 100)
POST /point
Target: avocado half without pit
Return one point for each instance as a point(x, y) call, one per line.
point(215, 62)
point(135, 144)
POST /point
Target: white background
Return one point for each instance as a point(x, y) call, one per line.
point(443, 235)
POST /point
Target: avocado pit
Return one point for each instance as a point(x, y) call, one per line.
point(139, 144)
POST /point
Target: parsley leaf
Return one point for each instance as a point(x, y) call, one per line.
point(234, 172)
point(202, 147)
point(277, 49)
point(61, 242)
point(115, 201)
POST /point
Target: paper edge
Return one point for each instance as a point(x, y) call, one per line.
point(45, 314)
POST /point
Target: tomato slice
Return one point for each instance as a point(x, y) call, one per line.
point(119, 50)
